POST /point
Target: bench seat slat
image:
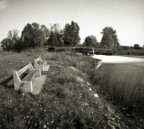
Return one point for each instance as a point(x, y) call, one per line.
point(29, 76)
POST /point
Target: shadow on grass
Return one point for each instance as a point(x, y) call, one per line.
point(7, 82)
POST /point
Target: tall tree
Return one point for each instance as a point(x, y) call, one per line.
point(55, 28)
point(90, 41)
point(32, 36)
point(13, 34)
point(7, 44)
point(11, 40)
point(56, 36)
point(109, 38)
point(71, 34)
point(45, 33)
point(136, 46)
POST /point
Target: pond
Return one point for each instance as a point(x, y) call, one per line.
point(122, 66)
point(119, 59)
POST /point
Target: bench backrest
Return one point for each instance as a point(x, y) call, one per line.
point(38, 59)
point(29, 66)
point(16, 75)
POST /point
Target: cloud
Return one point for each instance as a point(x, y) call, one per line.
point(3, 4)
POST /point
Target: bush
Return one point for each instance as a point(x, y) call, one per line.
point(131, 52)
point(7, 44)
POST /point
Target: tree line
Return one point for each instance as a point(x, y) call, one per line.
point(36, 35)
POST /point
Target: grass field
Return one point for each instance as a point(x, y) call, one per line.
point(124, 85)
point(65, 101)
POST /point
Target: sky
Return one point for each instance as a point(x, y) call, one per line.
point(124, 16)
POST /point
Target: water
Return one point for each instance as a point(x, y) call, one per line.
point(118, 59)
point(127, 70)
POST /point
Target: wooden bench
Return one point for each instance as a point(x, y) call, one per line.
point(27, 81)
point(41, 64)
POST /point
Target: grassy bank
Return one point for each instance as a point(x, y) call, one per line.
point(123, 84)
point(65, 100)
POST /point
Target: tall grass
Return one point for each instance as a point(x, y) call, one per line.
point(125, 89)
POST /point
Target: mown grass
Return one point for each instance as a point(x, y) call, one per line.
point(64, 102)
point(123, 84)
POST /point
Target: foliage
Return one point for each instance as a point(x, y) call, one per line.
point(90, 41)
point(6, 44)
point(56, 36)
point(45, 33)
point(34, 36)
point(131, 50)
point(10, 41)
point(55, 28)
point(109, 38)
point(136, 46)
point(104, 51)
point(71, 34)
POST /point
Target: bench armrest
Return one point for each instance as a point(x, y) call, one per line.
point(45, 62)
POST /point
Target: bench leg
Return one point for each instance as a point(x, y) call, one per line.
point(45, 62)
point(35, 64)
point(27, 86)
point(43, 67)
point(17, 80)
point(38, 73)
